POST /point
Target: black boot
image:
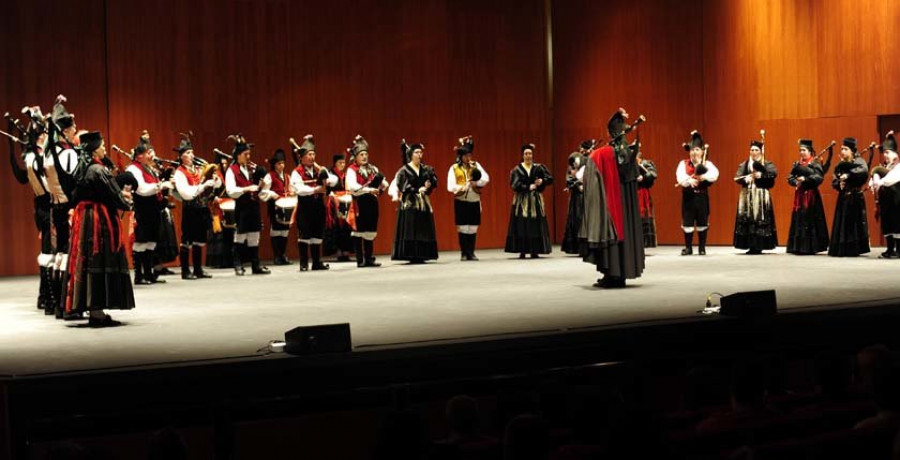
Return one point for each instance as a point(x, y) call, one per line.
point(184, 258)
point(470, 241)
point(42, 290)
point(237, 258)
point(279, 247)
point(891, 252)
point(688, 244)
point(304, 256)
point(368, 247)
point(702, 237)
point(358, 251)
point(148, 268)
point(316, 250)
point(463, 246)
point(52, 297)
point(138, 261)
point(197, 254)
point(257, 268)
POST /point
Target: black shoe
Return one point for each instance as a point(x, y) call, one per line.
point(260, 270)
point(687, 251)
point(888, 255)
point(188, 276)
point(73, 316)
point(371, 263)
point(106, 321)
point(239, 271)
point(163, 271)
point(609, 282)
point(521, 255)
point(320, 266)
point(282, 260)
point(156, 280)
point(201, 274)
point(471, 257)
point(702, 251)
point(535, 256)
point(753, 252)
point(142, 281)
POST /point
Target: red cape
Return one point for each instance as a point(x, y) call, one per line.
point(604, 159)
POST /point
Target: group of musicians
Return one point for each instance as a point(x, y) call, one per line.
point(78, 191)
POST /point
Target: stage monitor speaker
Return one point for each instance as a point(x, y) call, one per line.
point(322, 338)
point(750, 305)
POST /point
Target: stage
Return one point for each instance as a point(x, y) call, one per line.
point(401, 305)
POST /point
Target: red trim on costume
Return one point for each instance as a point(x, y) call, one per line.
point(646, 203)
point(605, 160)
point(192, 178)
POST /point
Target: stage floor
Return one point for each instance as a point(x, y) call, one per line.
point(413, 305)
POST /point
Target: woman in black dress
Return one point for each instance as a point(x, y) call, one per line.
point(528, 232)
point(809, 230)
point(850, 230)
point(415, 238)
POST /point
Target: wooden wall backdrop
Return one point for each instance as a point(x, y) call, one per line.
point(428, 71)
point(433, 70)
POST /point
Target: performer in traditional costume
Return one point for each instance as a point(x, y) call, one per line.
point(754, 224)
point(309, 182)
point(148, 205)
point(34, 138)
point(221, 238)
point(695, 175)
point(622, 258)
point(167, 248)
point(885, 185)
point(280, 203)
point(195, 192)
point(528, 232)
point(849, 230)
point(60, 165)
point(809, 230)
point(646, 180)
point(465, 179)
point(415, 238)
point(366, 184)
point(337, 206)
point(98, 272)
point(575, 188)
point(242, 183)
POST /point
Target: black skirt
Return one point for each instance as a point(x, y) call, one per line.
point(694, 209)
point(570, 243)
point(147, 219)
point(809, 230)
point(889, 210)
point(467, 212)
point(528, 232)
point(218, 252)
point(415, 237)
point(100, 278)
point(167, 246)
point(850, 230)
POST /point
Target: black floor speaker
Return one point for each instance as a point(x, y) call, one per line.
point(751, 304)
point(322, 338)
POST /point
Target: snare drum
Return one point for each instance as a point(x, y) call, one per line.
point(284, 210)
point(228, 218)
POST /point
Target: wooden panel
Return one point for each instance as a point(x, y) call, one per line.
point(629, 59)
point(427, 71)
point(48, 52)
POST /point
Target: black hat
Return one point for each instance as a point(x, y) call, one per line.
point(850, 143)
point(337, 157)
point(308, 145)
point(465, 147)
point(588, 144)
point(143, 145)
point(408, 149)
point(528, 146)
point(276, 157)
point(36, 127)
point(185, 143)
point(359, 145)
point(808, 143)
point(240, 144)
point(576, 157)
point(696, 141)
point(617, 125)
point(890, 143)
point(61, 116)
point(756, 143)
point(90, 141)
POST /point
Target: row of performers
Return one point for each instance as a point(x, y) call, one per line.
point(754, 228)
